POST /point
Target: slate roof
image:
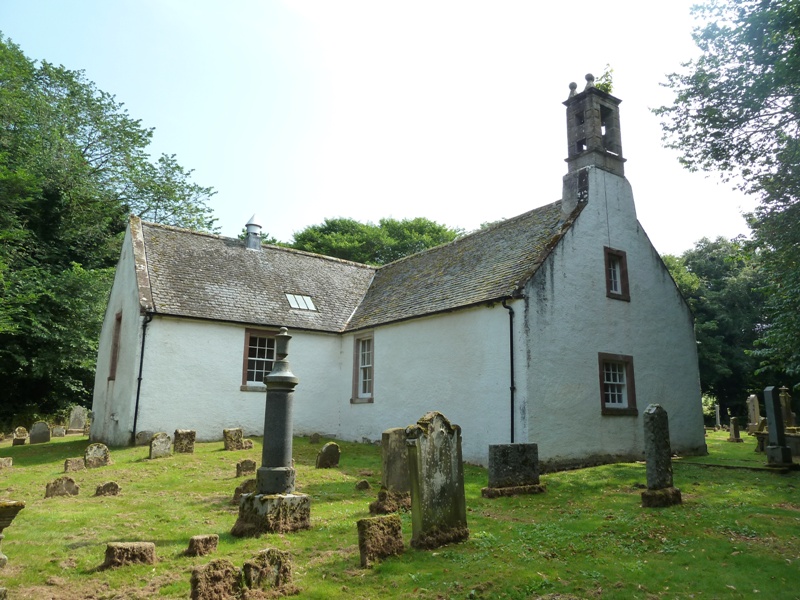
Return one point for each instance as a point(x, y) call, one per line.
point(213, 277)
point(190, 274)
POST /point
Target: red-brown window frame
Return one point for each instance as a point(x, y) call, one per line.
point(630, 385)
point(621, 256)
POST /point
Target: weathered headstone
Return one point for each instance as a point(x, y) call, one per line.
point(762, 424)
point(74, 464)
point(217, 580)
point(110, 488)
point(160, 445)
point(6, 462)
point(233, 438)
point(200, 545)
point(658, 456)
point(438, 503)
point(58, 431)
point(40, 433)
point(77, 420)
point(20, 436)
point(716, 415)
point(786, 407)
point(245, 466)
point(513, 469)
point(275, 508)
point(394, 460)
point(314, 438)
point(143, 438)
point(270, 569)
point(119, 554)
point(8, 510)
point(246, 487)
point(778, 453)
point(735, 436)
point(63, 486)
point(379, 537)
point(753, 413)
point(96, 455)
point(328, 457)
point(183, 442)
point(363, 484)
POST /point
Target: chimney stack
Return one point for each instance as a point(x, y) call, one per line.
point(253, 240)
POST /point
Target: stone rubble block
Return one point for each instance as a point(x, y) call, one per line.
point(74, 464)
point(218, 580)
point(200, 545)
point(110, 488)
point(378, 538)
point(183, 441)
point(63, 486)
point(270, 569)
point(119, 554)
point(245, 466)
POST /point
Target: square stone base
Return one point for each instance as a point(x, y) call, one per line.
point(779, 456)
point(659, 498)
point(514, 490)
point(272, 513)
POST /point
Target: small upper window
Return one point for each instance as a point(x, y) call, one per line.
point(301, 302)
point(616, 274)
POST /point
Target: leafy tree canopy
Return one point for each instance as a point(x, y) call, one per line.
point(368, 243)
point(73, 166)
point(737, 112)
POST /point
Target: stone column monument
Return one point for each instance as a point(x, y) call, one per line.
point(274, 507)
point(660, 491)
point(778, 453)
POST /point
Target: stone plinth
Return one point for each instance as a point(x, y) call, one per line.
point(272, 513)
point(661, 498)
point(183, 441)
point(436, 469)
point(379, 537)
point(513, 470)
point(8, 510)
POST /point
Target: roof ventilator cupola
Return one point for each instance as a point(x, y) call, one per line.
point(253, 239)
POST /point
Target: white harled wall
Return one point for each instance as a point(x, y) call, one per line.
point(570, 320)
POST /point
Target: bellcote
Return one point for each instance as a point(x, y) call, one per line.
point(593, 132)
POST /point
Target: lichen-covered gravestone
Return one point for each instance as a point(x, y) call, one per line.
point(20, 436)
point(328, 457)
point(143, 438)
point(63, 486)
point(270, 569)
point(74, 464)
point(438, 503)
point(110, 488)
point(160, 445)
point(58, 431)
point(200, 545)
point(735, 436)
point(658, 456)
point(96, 455)
point(513, 469)
point(78, 419)
point(183, 441)
point(120, 554)
point(753, 413)
point(6, 462)
point(40, 433)
point(246, 466)
point(233, 438)
point(379, 537)
point(216, 580)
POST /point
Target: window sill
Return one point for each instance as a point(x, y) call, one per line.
point(623, 297)
point(362, 400)
point(253, 388)
point(620, 412)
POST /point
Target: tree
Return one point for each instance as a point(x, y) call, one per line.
point(737, 111)
point(368, 243)
point(722, 284)
point(73, 166)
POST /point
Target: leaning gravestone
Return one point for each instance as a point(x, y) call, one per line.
point(660, 491)
point(734, 431)
point(438, 503)
point(328, 457)
point(183, 442)
point(160, 445)
point(63, 486)
point(20, 436)
point(233, 438)
point(96, 455)
point(778, 453)
point(513, 469)
point(40, 433)
point(77, 420)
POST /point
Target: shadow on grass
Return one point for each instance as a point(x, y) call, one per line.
point(31, 455)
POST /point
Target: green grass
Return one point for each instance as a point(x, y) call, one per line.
point(737, 531)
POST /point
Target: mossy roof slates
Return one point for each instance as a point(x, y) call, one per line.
point(484, 266)
point(212, 277)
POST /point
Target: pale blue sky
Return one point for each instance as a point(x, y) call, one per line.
point(451, 110)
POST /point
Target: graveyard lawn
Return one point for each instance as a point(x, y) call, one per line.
point(736, 535)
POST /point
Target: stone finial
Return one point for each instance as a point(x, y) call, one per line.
point(589, 81)
point(572, 87)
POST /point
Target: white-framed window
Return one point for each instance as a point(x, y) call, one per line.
point(300, 302)
point(616, 263)
point(617, 387)
point(363, 369)
point(259, 356)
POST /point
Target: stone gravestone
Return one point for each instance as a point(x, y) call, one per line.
point(660, 491)
point(183, 441)
point(160, 445)
point(63, 486)
point(716, 414)
point(40, 433)
point(74, 464)
point(513, 469)
point(379, 537)
point(778, 453)
point(328, 457)
point(753, 413)
point(96, 455)
point(438, 503)
point(270, 569)
point(246, 466)
point(143, 438)
point(233, 438)
point(77, 420)
point(58, 431)
point(20, 436)
point(734, 431)
point(6, 462)
point(786, 407)
point(275, 507)
point(394, 461)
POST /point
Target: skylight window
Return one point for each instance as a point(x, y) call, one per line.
point(300, 302)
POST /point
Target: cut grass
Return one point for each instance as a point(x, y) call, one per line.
point(736, 532)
